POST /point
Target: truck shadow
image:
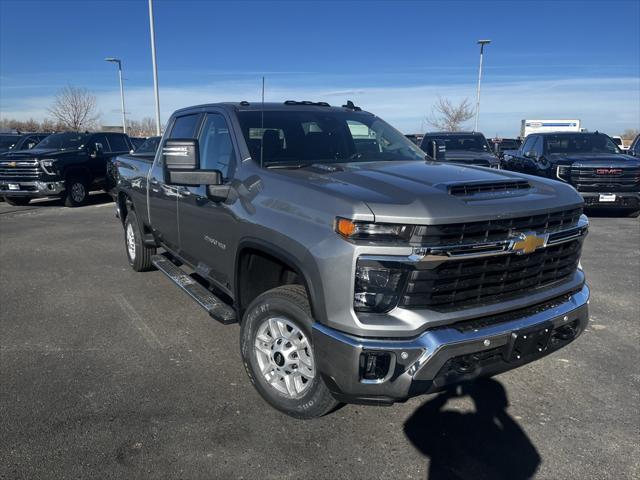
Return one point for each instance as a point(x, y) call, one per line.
point(485, 444)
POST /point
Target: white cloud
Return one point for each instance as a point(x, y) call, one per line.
point(606, 104)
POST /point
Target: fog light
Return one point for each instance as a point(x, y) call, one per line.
point(374, 365)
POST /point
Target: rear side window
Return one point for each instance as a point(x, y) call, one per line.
point(118, 143)
point(185, 126)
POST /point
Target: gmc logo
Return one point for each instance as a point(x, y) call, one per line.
point(608, 171)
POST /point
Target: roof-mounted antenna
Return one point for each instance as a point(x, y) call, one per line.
point(262, 123)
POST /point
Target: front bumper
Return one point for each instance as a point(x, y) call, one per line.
point(443, 356)
point(35, 188)
point(622, 200)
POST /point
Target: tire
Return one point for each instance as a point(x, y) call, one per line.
point(17, 201)
point(305, 395)
point(138, 254)
point(634, 214)
point(76, 192)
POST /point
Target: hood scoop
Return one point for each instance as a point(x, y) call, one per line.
point(474, 188)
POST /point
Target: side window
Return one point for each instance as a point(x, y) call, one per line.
point(118, 143)
point(216, 146)
point(102, 139)
point(528, 144)
point(537, 147)
point(185, 126)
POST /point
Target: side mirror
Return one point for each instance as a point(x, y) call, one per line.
point(531, 154)
point(30, 145)
point(181, 154)
point(436, 150)
point(95, 150)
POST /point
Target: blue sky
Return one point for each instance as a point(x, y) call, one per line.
point(572, 59)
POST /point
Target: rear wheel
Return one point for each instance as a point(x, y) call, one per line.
point(17, 201)
point(278, 355)
point(76, 192)
point(634, 214)
point(138, 253)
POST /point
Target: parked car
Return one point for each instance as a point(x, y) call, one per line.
point(69, 165)
point(501, 145)
point(467, 148)
point(359, 272)
point(634, 148)
point(590, 162)
point(620, 143)
point(145, 151)
point(20, 141)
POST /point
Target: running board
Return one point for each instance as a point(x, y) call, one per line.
point(217, 309)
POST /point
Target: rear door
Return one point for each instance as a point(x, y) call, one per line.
point(163, 197)
point(206, 227)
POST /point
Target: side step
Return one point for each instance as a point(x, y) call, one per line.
point(218, 310)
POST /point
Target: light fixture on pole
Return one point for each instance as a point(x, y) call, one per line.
point(155, 66)
point(482, 43)
point(119, 62)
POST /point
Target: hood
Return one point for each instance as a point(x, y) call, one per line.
point(465, 156)
point(38, 153)
point(595, 160)
point(422, 192)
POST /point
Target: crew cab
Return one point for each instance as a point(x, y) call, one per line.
point(68, 165)
point(590, 162)
point(20, 141)
point(359, 269)
point(467, 148)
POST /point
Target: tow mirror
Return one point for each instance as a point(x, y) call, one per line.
point(181, 154)
point(436, 150)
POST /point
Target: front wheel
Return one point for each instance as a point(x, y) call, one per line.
point(76, 192)
point(276, 347)
point(18, 201)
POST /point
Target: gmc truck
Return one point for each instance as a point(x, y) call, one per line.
point(66, 165)
point(359, 269)
point(590, 162)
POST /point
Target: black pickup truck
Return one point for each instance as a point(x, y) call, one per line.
point(591, 162)
point(68, 165)
point(466, 148)
point(359, 269)
point(20, 141)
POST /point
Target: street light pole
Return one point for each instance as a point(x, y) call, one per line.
point(119, 62)
point(482, 43)
point(155, 66)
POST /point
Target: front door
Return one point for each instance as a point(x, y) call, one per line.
point(206, 226)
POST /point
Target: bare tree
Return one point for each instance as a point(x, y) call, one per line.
point(75, 108)
point(141, 128)
point(449, 117)
point(630, 134)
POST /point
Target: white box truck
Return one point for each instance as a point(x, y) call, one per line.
point(545, 126)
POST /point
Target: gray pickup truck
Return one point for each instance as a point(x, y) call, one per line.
point(360, 270)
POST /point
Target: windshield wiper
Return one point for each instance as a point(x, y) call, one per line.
point(287, 165)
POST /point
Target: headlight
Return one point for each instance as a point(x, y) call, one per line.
point(563, 172)
point(372, 231)
point(47, 166)
point(377, 286)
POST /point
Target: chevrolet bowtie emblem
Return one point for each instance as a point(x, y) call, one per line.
point(528, 243)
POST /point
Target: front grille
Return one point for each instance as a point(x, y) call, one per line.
point(23, 170)
point(593, 179)
point(458, 284)
point(493, 230)
point(488, 187)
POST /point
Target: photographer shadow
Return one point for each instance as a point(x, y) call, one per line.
point(485, 444)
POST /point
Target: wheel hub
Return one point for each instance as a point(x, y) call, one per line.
point(284, 356)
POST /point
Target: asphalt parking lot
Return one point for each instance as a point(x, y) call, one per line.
point(108, 373)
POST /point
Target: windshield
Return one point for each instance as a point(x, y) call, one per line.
point(8, 141)
point(470, 143)
point(580, 143)
point(149, 146)
point(301, 137)
point(65, 141)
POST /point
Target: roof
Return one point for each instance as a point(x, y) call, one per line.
point(272, 106)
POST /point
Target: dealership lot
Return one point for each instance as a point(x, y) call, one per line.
point(108, 373)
